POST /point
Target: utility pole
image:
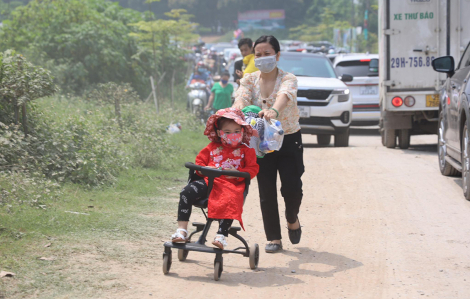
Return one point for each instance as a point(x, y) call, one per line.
point(366, 24)
point(353, 24)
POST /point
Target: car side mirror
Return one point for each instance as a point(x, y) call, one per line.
point(444, 64)
point(346, 78)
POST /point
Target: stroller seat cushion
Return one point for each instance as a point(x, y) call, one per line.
point(202, 203)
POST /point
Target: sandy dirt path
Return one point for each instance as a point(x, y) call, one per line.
point(377, 223)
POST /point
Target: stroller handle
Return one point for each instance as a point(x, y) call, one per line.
point(214, 172)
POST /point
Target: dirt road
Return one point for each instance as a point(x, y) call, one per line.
point(377, 223)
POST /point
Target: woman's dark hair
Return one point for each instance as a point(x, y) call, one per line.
point(269, 39)
point(245, 41)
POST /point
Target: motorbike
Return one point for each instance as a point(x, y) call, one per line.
point(197, 99)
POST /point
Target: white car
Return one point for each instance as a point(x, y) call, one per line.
point(365, 86)
point(229, 52)
point(323, 99)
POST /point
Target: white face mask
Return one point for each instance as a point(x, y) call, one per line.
point(266, 64)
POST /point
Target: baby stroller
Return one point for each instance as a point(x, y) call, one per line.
point(252, 252)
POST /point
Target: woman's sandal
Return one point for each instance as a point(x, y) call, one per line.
point(220, 241)
point(178, 237)
point(295, 234)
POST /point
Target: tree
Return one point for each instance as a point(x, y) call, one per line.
point(22, 82)
point(82, 42)
point(7, 6)
point(323, 30)
point(161, 39)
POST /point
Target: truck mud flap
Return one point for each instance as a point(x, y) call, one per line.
point(397, 121)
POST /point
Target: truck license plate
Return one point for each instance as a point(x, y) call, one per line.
point(432, 100)
point(369, 90)
point(304, 111)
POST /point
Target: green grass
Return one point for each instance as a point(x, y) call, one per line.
point(139, 207)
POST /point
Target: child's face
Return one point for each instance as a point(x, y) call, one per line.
point(230, 127)
point(245, 50)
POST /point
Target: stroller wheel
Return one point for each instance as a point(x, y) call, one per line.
point(254, 256)
point(166, 263)
point(217, 270)
point(182, 254)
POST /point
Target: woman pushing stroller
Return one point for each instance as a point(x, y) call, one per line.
point(228, 133)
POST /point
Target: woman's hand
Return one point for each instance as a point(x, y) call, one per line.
point(207, 108)
point(267, 114)
point(239, 73)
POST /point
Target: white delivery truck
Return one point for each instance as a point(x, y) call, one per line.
point(412, 34)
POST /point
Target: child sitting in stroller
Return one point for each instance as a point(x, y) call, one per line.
point(229, 134)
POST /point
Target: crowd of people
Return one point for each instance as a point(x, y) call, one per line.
point(210, 69)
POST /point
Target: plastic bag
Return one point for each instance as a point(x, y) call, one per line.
point(174, 128)
point(272, 137)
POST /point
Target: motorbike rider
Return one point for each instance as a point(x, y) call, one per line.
point(200, 74)
point(216, 61)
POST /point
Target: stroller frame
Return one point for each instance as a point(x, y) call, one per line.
point(252, 252)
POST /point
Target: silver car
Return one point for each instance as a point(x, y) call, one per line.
point(364, 87)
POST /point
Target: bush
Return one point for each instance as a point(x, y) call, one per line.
point(74, 140)
point(70, 149)
point(24, 188)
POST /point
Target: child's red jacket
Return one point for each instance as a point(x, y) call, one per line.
point(226, 198)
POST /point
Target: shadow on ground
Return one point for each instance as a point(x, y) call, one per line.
point(458, 180)
point(305, 262)
point(369, 131)
point(354, 131)
point(423, 149)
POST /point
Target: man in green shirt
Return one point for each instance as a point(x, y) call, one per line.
point(221, 94)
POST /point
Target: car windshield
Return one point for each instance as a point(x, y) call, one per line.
point(359, 68)
point(307, 66)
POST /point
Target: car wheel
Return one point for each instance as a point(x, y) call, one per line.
point(390, 138)
point(324, 139)
point(404, 138)
point(342, 140)
point(445, 167)
point(466, 162)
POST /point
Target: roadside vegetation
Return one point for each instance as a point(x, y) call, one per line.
point(86, 163)
point(83, 181)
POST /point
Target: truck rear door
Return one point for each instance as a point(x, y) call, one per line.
point(415, 38)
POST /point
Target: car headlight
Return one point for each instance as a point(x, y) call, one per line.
point(343, 94)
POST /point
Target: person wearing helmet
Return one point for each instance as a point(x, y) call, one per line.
point(200, 74)
point(213, 60)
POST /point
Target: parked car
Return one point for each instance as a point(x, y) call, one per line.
point(229, 53)
point(324, 100)
point(365, 86)
point(454, 118)
point(304, 49)
point(324, 46)
point(332, 57)
point(220, 47)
